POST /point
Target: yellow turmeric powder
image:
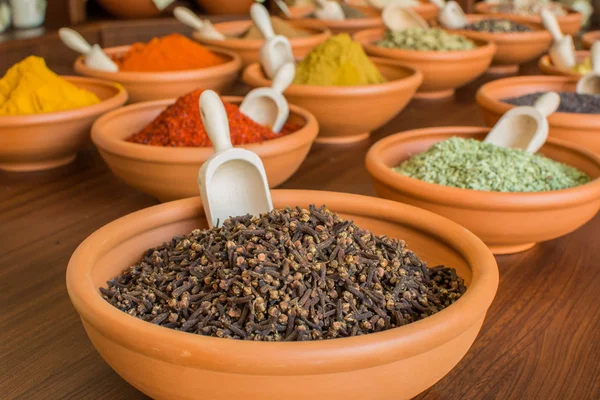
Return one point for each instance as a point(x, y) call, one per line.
point(30, 87)
point(339, 61)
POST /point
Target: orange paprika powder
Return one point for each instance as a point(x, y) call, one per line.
point(180, 125)
point(170, 53)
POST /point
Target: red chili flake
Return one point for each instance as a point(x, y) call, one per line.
point(180, 125)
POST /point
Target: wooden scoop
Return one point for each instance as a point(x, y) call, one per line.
point(380, 4)
point(329, 10)
point(562, 52)
point(451, 15)
point(204, 27)
point(276, 51)
point(266, 105)
point(525, 127)
point(232, 181)
point(398, 18)
point(590, 83)
point(94, 56)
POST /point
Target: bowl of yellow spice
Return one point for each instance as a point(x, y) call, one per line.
point(583, 66)
point(167, 67)
point(46, 118)
point(244, 38)
point(349, 93)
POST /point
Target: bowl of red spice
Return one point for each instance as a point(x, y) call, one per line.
point(159, 146)
point(167, 67)
point(170, 356)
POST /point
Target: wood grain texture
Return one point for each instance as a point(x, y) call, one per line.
point(540, 340)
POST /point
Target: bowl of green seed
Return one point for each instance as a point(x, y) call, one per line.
point(517, 42)
point(447, 60)
point(511, 199)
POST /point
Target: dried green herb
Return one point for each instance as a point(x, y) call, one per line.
point(431, 39)
point(471, 164)
point(290, 274)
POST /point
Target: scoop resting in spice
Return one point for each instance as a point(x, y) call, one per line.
point(180, 125)
point(420, 39)
point(471, 164)
point(291, 274)
point(570, 102)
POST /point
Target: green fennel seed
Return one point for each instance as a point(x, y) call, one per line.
point(471, 164)
point(430, 39)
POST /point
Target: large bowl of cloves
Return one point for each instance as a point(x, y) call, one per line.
point(306, 300)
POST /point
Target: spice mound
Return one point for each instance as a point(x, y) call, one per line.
point(570, 102)
point(291, 274)
point(170, 53)
point(180, 125)
point(426, 39)
point(583, 67)
point(280, 27)
point(339, 61)
point(471, 164)
point(30, 87)
point(497, 26)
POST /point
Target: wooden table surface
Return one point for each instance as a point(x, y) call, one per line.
point(540, 340)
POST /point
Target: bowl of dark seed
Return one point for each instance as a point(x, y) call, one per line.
point(516, 42)
point(511, 199)
point(308, 301)
point(577, 120)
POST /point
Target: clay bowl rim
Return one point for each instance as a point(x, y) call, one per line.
point(317, 34)
point(483, 49)
point(486, 101)
point(118, 99)
point(589, 38)
point(484, 8)
point(538, 33)
point(231, 66)
point(476, 199)
point(314, 357)
point(372, 19)
point(546, 66)
point(254, 73)
point(109, 142)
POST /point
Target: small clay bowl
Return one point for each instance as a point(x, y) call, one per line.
point(569, 24)
point(145, 86)
point(171, 173)
point(589, 38)
point(131, 9)
point(372, 20)
point(37, 142)
point(348, 114)
point(226, 7)
point(506, 222)
point(580, 129)
point(443, 72)
point(249, 50)
point(427, 10)
point(512, 49)
point(546, 66)
point(168, 364)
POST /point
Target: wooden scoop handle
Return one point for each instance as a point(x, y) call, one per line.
point(551, 24)
point(187, 17)
point(262, 20)
point(214, 119)
point(547, 103)
point(596, 57)
point(284, 77)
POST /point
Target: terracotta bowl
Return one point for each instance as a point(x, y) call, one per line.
point(397, 364)
point(372, 20)
point(512, 49)
point(43, 141)
point(589, 38)
point(348, 114)
point(249, 50)
point(145, 86)
point(427, 10)
point(443, 72)
point(506, 222)
point(546, 66)
point(171, 173)
point(580, 129)
point(569, 24)
point(220, 7)
point(131, 8)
